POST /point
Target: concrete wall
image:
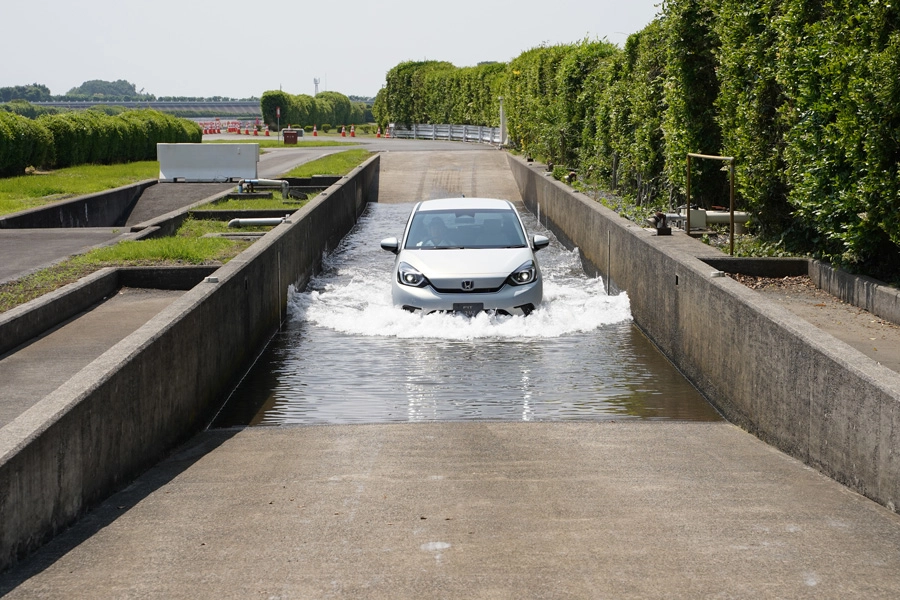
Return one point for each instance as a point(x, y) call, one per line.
point(864, 292)
point(778, 377)
point(127, 409)
point(103, 209)
point(25, 322)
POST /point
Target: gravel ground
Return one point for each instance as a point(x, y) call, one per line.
point(875, 337)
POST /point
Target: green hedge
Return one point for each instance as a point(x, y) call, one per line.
point(73, 138)
point(804, 95)
point(302, 110)
point(23, 143)
point(438, 92)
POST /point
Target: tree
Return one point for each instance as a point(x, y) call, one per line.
point(30, 93)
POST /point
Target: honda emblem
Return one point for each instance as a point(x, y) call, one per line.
point(468, 285)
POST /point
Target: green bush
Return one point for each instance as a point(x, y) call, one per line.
point(74, 138)
point(325, 127)
point(803, 94)
point(26, 109)
point(23, 143)
point(303, 110)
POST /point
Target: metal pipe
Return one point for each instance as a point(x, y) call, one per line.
point(252, 183)
point(258, 221)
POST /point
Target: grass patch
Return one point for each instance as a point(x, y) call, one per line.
point(196, 228)
point(187, 247)
point(254, 204)
point(340, 163)
point(169, 250)
point(30, 191)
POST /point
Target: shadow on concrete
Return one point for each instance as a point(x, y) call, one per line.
point(114, 507)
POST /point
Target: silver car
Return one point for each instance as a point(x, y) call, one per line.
point(466, 255)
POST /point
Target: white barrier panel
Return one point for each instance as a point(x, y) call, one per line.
point(207, 162)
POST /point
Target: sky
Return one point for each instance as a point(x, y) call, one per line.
point(242, 49)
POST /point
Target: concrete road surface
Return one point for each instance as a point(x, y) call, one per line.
point(475, 510)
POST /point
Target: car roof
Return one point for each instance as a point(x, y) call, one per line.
point(464, 204)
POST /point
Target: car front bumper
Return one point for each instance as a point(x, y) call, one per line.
point(514, 300)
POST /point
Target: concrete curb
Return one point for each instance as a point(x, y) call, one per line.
point(109, 208)
point(166, 224)
point(769, 372)
point(25, 322)
point(866, 293)
point(157, 387)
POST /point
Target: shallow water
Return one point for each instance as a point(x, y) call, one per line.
point(347, 355)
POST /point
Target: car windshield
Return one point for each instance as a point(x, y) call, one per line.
point(469, 228)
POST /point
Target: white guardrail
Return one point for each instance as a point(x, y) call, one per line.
point(454, 133)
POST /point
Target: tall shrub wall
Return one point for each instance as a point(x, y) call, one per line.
point(805, 96)
point(301, 110)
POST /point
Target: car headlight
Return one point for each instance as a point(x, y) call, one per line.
point(407, 275)
point(527, 273)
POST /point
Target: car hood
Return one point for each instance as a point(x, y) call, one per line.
point(488, 268)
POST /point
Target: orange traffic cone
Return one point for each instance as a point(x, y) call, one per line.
point(315, 133)
point(352, 131)
point(343, 131)
point(378, 132)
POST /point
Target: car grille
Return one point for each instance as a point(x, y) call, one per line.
point(459, 290)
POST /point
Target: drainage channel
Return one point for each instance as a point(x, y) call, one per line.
point(346, 355)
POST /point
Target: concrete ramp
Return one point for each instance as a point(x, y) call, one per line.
point(475, 510)
point(31, 372)
point(415, 176)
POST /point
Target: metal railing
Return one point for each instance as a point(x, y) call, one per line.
point(454, 133)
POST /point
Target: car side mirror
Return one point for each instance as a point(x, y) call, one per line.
point(540, 241)
point(391, 245)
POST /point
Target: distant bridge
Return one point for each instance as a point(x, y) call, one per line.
point(243, 108)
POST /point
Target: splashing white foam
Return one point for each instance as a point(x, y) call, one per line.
point(353, 294)
point(362, 306)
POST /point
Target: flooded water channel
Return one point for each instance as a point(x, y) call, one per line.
point(346, 355)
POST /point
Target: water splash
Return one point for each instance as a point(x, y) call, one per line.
point(353, 296)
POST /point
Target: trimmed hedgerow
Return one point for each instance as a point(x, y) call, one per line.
point(23, 143)
point(804, 95)
point(87, 137)
point(302, 110)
